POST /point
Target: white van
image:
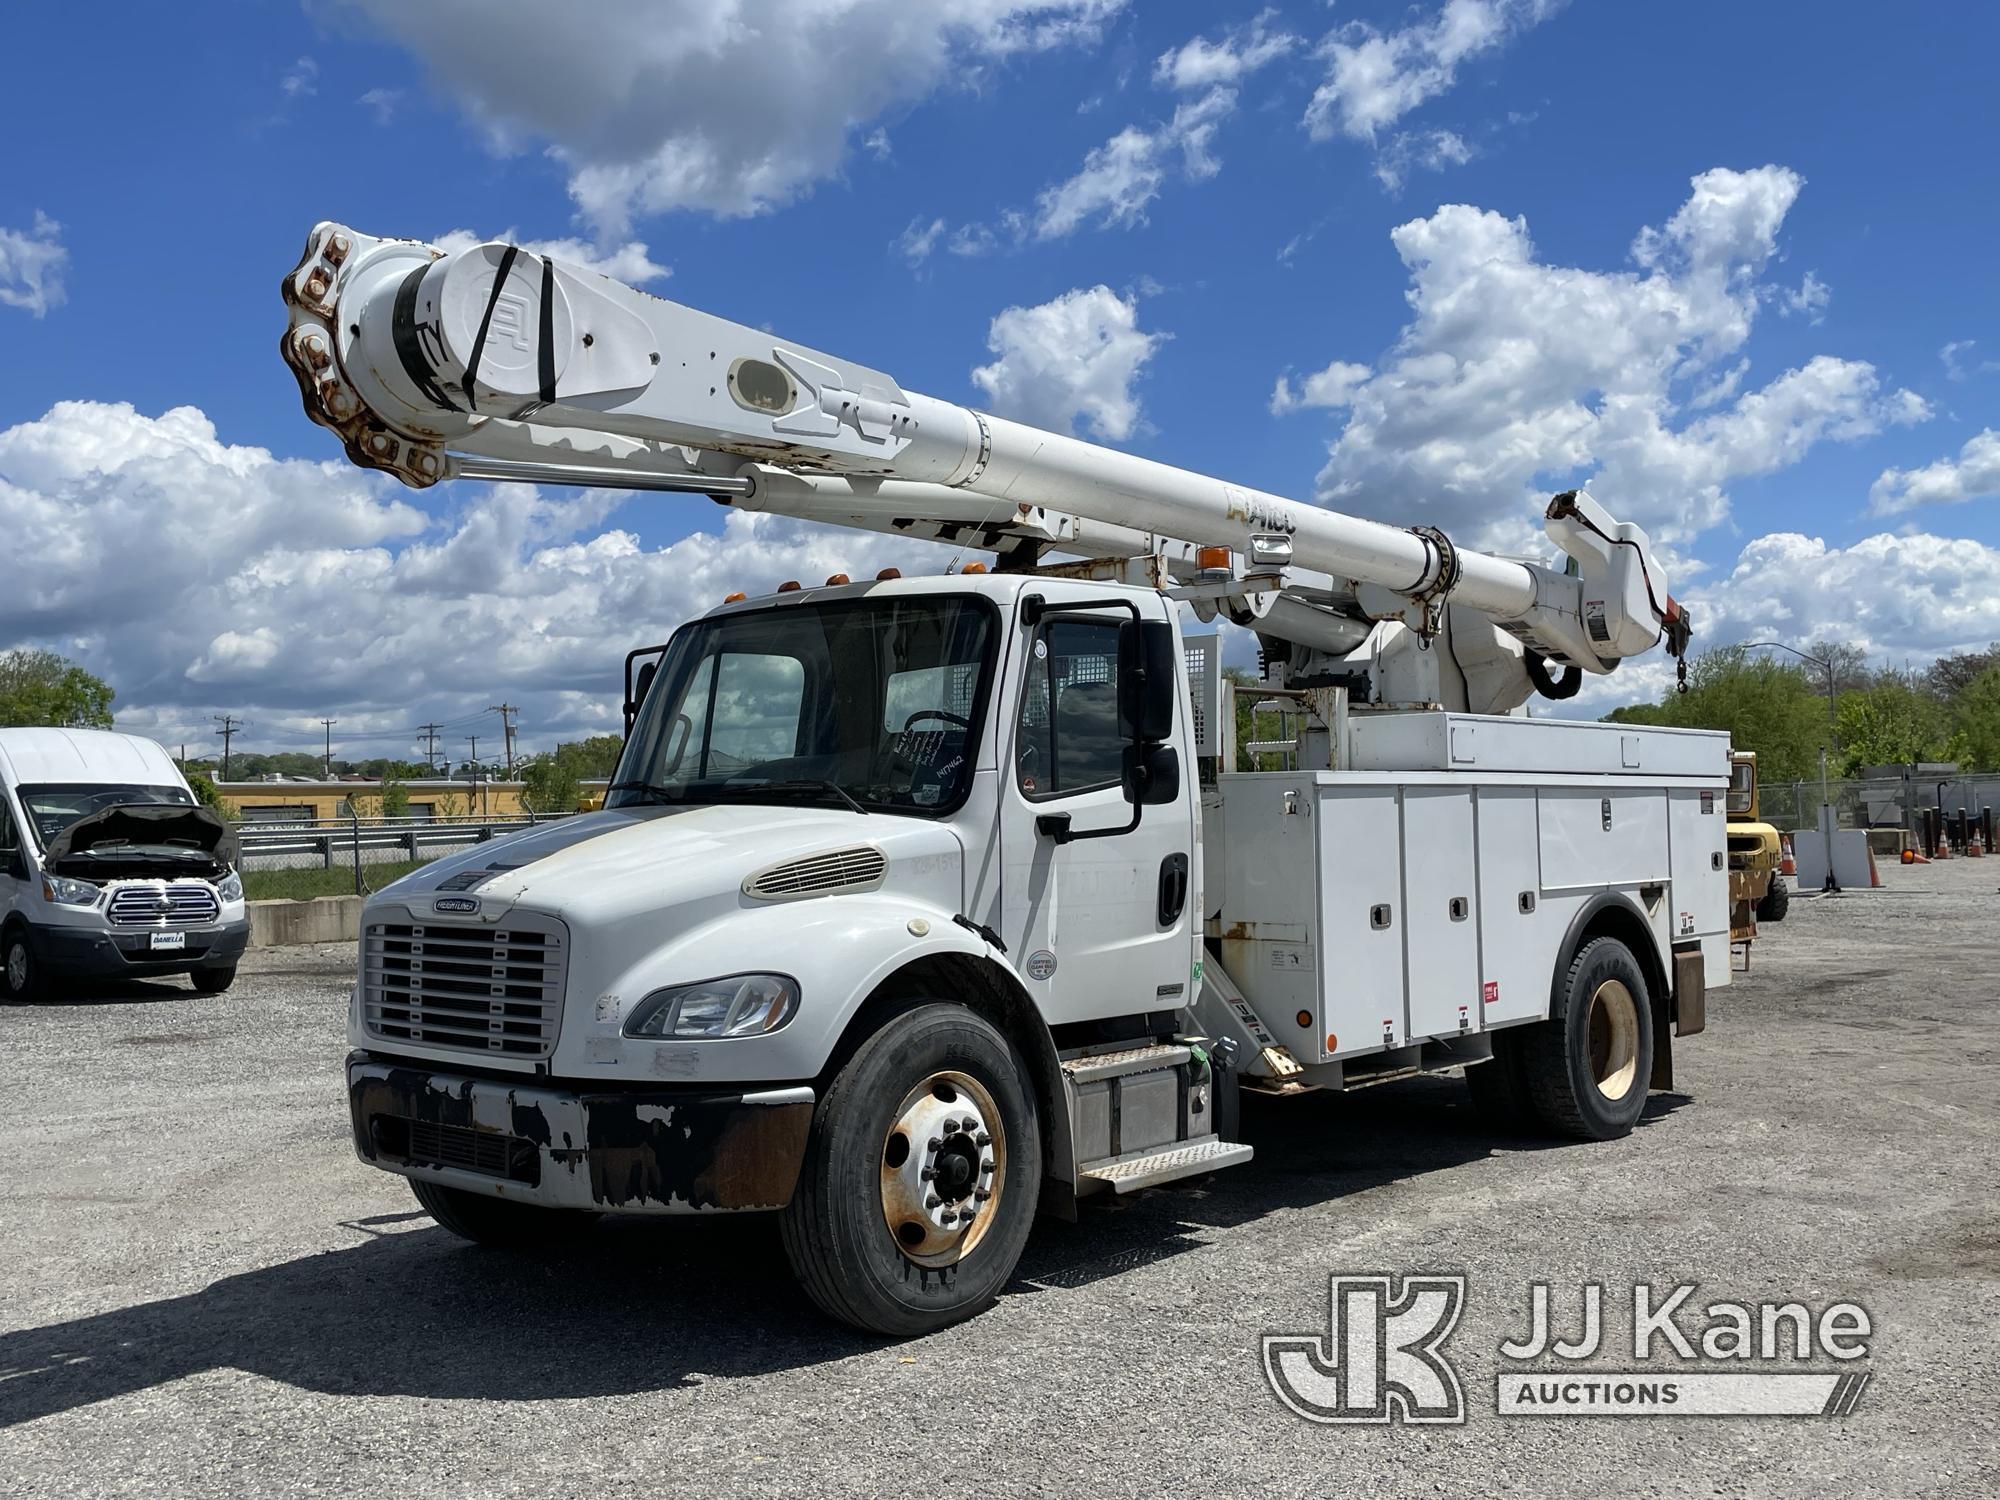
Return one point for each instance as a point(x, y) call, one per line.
point(109, 868)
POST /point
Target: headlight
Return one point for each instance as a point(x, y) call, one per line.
point(740, 1005)
point(231, 888)
point(69, 892)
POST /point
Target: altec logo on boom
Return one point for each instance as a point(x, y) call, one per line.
point(1382, 1357)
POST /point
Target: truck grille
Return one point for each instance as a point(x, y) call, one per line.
point(423, 1144)
point(160, 905)
point(463, 986)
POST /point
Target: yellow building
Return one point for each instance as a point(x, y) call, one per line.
point(315, 801)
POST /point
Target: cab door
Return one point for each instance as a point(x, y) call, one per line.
point(1097, 926)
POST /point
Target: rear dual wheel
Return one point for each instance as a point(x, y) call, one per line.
point(921, 1176)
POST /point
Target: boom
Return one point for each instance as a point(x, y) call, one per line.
point(495, 363)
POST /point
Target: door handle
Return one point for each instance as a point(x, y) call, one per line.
point(1173, 888)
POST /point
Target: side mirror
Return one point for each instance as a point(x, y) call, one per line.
point(1151, 775)
point(635, 688)
point(1148, 681)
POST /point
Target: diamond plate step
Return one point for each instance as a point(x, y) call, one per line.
point(1168, 1165)
point(1132, 1060)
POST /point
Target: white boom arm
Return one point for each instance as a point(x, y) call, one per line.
point(496, 363)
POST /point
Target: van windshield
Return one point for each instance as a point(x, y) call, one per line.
point(52, 808)
point(872, 704)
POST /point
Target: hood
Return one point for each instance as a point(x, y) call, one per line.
point(152, 824)
point(636, 858)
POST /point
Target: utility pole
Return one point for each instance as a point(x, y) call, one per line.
point(473, 740)
point(430, 734)
point(507, 712)
point(230, 724)
point(329, 723)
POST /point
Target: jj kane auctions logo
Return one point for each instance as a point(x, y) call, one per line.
point(1382, 1357)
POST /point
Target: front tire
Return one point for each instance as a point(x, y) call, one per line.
point(921, 1176)
point(212, 981)
point(498, 1222)
point(1777, 901)
point(20, 966)
point(1588, 1067)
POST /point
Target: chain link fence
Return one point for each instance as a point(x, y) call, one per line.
point(352, 856)
point(1880, 802)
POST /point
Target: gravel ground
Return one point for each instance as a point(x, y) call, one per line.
point(206, 1293)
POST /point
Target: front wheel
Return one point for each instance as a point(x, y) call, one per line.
point(1777, 901)
point(1588, 1067)
point(499, 1222)
point(213, 981)
point(921, 1177)
point(20, 966)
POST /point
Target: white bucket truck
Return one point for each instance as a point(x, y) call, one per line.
point(922, 905)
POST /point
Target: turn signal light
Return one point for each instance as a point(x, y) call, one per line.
point(736, 598)
point(973, 568)
point(1305, 1018)
point(836, 578)
point(789, 586)
point(887, 573)
point(1212, 559)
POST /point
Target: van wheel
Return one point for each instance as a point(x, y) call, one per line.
point(20, 966)
point(1587, 1068)
point(499, 1222)
point(212, 981)
point(921, 1176)
point(1777, 901)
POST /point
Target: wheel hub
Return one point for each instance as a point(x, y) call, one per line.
point(943, 1161)
point(1614, 1039)
point(17, 965)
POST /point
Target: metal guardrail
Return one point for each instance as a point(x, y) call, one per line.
point(341, 842)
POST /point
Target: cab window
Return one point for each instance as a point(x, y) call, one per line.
point(1067, 737)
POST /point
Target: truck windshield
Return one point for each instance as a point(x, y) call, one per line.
point(863, 703)
point(52, 808)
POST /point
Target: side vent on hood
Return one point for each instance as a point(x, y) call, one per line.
point(860, 868)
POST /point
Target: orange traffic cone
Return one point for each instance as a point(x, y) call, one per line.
point(1874, 875)
point(1786, 864)
point(1975, 849)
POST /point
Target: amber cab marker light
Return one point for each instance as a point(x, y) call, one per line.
point(736, 598)
point(973, 568)
point(789, 586)
point(1211, 559)
point(833, 580)
point(887, 573)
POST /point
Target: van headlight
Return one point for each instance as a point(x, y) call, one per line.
point(231, 888)
point(740, 1005)
point(69, 892)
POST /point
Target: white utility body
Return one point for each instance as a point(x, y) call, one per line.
point(920, 904)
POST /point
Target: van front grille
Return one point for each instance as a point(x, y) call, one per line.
point(155, 904)
point(467, 987)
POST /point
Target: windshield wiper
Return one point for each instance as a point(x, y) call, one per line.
point(799, 784)
point(664, 793)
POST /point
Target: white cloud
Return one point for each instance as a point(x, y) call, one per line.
point(301, 80)
point(1515, 377)
point(1419, 150)
point(1374, 78)
point(32, 263)
point(1202, 64)
point(1330, 388)
point(199, 576)
point(733, 107)
point(1120, 178)
point(1959, 363)
point(383, 103)
point(629, 262)
point(877, 145)
point(1973, 475)
point(1074, 357)
point(1810, 298)
point(918, 239)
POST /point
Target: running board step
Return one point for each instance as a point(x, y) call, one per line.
point(1167, 1165)
point(1090, 1068)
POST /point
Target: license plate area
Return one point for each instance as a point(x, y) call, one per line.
point(167, 942)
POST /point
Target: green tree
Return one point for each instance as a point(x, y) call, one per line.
point(205, 793)
point(1893, 722)
point(395, 796)
point(1975, 716)
point(40, 687)
point(1767, 706)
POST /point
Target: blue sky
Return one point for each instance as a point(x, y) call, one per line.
point(165, 176)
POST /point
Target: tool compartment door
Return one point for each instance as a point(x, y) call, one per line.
point(1361, 921)
point(1440, 893)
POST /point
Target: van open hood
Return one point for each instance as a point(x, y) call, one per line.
point(171, 835)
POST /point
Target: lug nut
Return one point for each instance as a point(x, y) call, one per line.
point(934, 1142)
point(951, 1125)
point(933, 1201)
point(982, 1140)
point(927, 1174)
point(982, 1194)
